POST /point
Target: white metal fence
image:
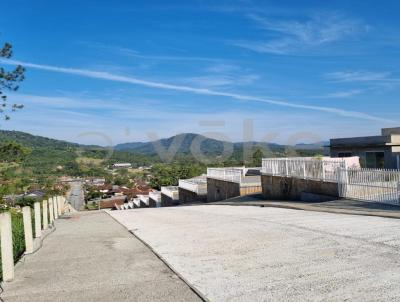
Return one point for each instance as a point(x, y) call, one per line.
point(370, 185)
point(373, 185)
point(303, 168)
point(227, 174)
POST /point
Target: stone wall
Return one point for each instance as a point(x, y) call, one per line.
point(288, 188)
point(189, 196)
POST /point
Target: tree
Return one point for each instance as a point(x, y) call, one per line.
point(9, 80)
point(13, 152)
point(257, 157)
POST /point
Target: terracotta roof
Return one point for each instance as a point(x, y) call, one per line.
point(109, 203)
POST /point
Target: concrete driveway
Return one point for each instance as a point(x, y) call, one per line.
point(231, 253)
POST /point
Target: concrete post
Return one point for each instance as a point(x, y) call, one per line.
point(26, 213)
point(58, 205)
point(61, 204)
point(45, 215)
point(55, 208)
point(51, 210)
point(38, 220)
point(7, 258)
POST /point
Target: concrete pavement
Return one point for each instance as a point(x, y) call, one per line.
point(342, 206)
point(90, 257)
point(76, 198)
point(273, 254)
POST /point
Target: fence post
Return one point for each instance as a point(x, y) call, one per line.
point(286, 167)
point(26, 213)
point(55, 207)
point(58, 199)
point(45, 215)
point(51, 211)
point(398, 192)
point(38, 220)
point(7, 257)
point(323, 170)
point(304, 170)
point(61, 205)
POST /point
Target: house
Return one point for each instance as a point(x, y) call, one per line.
point(378, 152)
point(109, 203)
point(121, 165)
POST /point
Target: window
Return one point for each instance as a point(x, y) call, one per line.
point(345, 154)
point(375, 160)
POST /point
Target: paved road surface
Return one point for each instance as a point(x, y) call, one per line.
point(91, 257)
point(76, 197)
point(235, 253)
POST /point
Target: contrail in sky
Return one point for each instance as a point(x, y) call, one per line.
point(203, 91)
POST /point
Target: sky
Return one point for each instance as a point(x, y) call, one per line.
point(102, 72)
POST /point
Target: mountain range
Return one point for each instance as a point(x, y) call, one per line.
point(181, 144)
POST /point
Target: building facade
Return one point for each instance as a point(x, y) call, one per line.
point(376, 152)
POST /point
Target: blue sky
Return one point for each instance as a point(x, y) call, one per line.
point(102, 72)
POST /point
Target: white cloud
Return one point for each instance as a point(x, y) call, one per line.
point(129, 123)
point(342, 94)
point(291, 36)
point(189, 89)
point(361, 76)
point(136, 54)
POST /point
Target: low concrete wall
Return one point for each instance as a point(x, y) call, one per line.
point(189, 196)
point(288, 188)
point(152, 203)
point(167, 201)
point(220, 190)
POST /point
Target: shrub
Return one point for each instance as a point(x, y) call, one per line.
point(17, 226)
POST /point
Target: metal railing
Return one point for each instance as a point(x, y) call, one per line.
point(304, 168)
point(227, 174)
point(373, 185)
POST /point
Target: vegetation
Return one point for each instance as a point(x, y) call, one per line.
point(18, 237)
point(169, 174)
point(9, 80)
point(32, 162)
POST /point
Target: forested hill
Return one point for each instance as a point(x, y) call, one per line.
point(34, 141)
point(186, 141)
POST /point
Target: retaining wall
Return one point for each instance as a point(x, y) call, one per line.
point(288, 188)
point(189, 196)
